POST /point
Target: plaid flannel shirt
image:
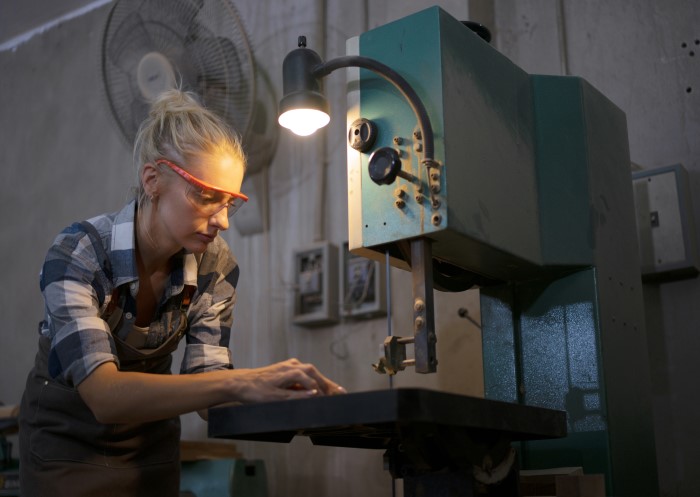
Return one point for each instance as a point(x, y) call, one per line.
point(77, 291)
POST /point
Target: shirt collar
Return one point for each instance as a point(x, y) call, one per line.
point(123, 258)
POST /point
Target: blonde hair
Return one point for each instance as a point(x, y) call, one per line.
point(179, 125)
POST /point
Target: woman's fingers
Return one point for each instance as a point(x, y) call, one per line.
point(290, 379)
point(308, 377)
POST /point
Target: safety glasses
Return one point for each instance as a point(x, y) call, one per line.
point(206, 198)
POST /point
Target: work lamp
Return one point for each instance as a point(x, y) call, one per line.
point(304, 108)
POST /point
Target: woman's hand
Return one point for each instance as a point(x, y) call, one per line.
point(290, 379)
point(124, 397)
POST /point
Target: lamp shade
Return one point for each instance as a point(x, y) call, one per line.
point(303, 108)
point(304, 112)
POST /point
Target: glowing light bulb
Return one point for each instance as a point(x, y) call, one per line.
point(304, 122)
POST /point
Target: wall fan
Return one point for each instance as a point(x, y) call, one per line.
point(199, 45)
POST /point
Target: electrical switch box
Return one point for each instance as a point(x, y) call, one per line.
point(316, 285)
point(665, 226)
point(363, 286)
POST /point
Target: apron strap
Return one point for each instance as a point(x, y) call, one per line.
point(109, 315)
point(102, 256)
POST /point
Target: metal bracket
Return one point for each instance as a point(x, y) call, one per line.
point(424, 338)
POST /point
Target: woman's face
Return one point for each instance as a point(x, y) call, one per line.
point(182, 209)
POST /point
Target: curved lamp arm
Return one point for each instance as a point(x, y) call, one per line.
point(302, 70)
point(426, 129)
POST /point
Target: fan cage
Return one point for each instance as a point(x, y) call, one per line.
point(203, 41)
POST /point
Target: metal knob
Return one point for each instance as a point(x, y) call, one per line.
point(384, 166)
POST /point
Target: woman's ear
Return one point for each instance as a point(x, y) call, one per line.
point(150, 176)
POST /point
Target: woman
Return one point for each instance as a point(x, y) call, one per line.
point(100, 411)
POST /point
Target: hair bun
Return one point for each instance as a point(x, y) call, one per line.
point(174, 101)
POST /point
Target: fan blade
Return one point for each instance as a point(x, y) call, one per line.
point(129, 42)
point(219, 79)
point(139, 112)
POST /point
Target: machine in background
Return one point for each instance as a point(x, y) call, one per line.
point(527, 195)
point(532, 201)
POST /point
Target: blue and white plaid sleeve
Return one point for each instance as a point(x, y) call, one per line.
point(75, 288)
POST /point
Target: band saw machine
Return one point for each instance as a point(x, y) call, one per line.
point(526, 195)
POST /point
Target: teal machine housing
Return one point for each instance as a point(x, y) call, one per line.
point(532, 203)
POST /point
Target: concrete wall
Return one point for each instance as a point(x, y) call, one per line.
point(63, 160)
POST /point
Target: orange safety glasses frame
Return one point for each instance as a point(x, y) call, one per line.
point(207, 198)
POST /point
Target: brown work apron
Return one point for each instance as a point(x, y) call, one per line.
point(65, 451)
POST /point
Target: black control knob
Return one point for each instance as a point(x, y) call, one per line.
point(384, 166)
point(362, 134)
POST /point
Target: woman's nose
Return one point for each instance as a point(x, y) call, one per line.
point(220, 219)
